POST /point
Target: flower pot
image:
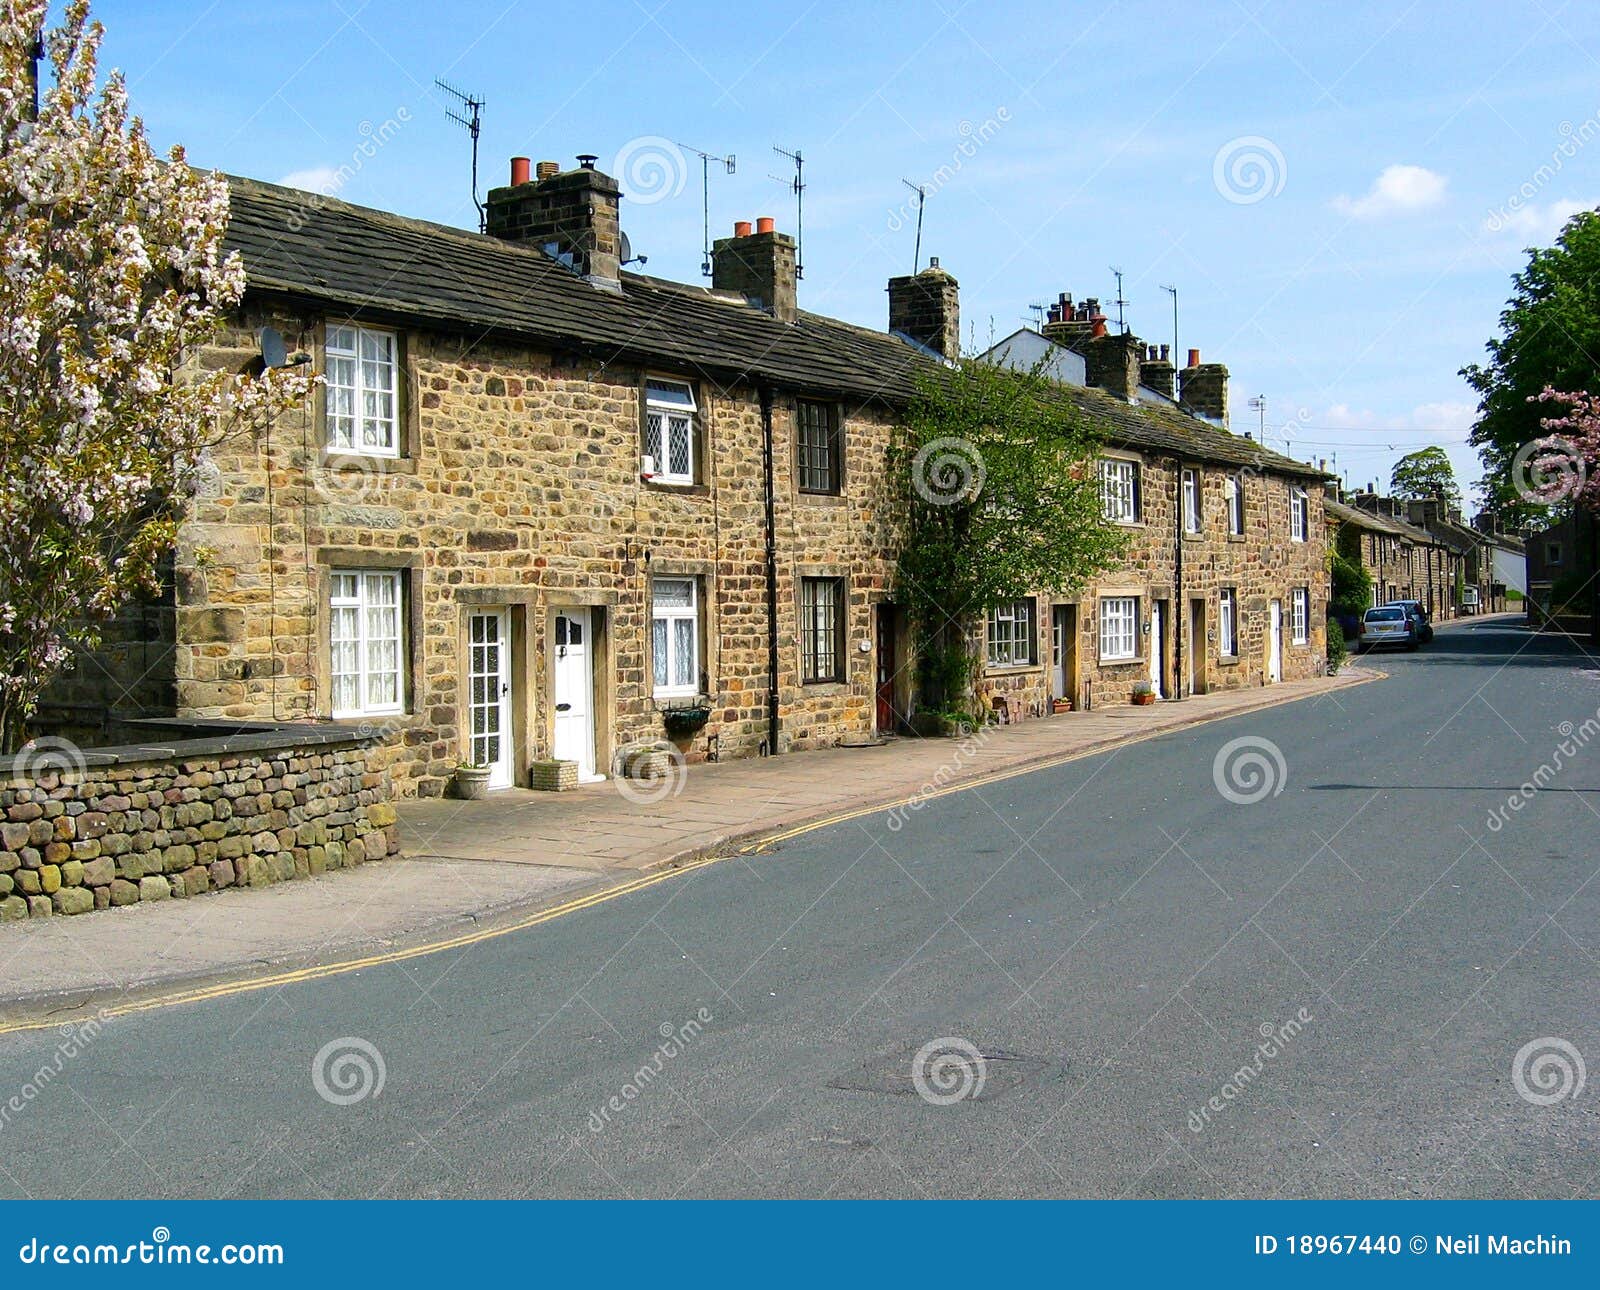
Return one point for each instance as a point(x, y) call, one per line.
point(1058, 706)
point(685, 723)
point(1143, 698)
point(472, 782)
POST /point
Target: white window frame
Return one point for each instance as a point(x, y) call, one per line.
point(1119, 489)
point(1299, 615)
point(1189, 485)
point(1299, 515)
point(1235, 495)
point(1119, 629)
point(671, 616)
point(1228, 622)
point(677, 416)
point(1012, 634)
point(365, 604)
point(363, 386)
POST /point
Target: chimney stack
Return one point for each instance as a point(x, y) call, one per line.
point(1203, 389)
point(1075, 326)
point(1156, 371)
point(1111, 363)
point(574, 211)
point(927, 307)
point(759, 265)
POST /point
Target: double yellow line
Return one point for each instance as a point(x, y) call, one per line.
point(225, 989)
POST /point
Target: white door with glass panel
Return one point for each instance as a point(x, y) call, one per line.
point(1158, 649)
point(1275, 642)
point(489, 695)
point(574, 691)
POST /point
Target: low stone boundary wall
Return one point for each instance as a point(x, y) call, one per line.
point(85, 829)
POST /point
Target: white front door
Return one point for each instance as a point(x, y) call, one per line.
point(489, 695)
point(1275, 642)
point(574, 691)
point(1157, 649)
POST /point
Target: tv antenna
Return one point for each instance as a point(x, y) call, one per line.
point(471, 118)
point(729, 164)
point(798, 187)
point(1122, 323)
point(1173, 292)
point(1038, 312)
point(921, 190)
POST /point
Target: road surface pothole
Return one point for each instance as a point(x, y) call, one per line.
point(942, 1072)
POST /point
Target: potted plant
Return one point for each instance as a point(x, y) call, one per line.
point(1058, 706)
point(1143, 693)
point(472, 781)
point(687, 721)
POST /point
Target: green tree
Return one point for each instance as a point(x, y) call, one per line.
point(997, 484)
point(1549, 336)
point(1352, 585)
point(1426, 473)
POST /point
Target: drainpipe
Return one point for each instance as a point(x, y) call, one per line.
point(1180, 607)
point(769, 499)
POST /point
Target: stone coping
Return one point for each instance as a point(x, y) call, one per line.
point(243, 738)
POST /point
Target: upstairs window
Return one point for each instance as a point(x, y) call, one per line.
point(1013, 641)
point(669, 416)
point(817, 444)
point(1298, 530)
point(1235, 494)
point(363, 402)
point(1119, 490)
point(1191, 501)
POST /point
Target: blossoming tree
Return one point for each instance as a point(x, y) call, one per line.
point(112, 274)
point(1564, 466)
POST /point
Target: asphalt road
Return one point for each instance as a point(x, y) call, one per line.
point(1113, 937)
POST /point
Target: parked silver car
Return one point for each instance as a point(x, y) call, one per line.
point(1418, 611)
point(1388, 625)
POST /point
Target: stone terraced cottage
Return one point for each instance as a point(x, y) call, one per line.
point(547, 510)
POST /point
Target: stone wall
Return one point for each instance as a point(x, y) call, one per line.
point(89, 830)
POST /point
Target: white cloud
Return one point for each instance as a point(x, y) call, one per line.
point(1399, 190)
point(322, 180)
point(1535, 223)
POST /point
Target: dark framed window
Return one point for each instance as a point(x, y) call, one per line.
point(821, 629)
point(818, 444)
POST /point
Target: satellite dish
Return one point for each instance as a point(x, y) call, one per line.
point(273, 353)
point(628, 256)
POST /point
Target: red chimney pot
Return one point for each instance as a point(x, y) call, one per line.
point(519, 170)
point(1194, 358)
point(741, 228)
point(766, 224)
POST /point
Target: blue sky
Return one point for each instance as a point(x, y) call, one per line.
point(1340, 193)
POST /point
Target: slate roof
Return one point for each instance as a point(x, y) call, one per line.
point(1338, 511)
point(329, 253)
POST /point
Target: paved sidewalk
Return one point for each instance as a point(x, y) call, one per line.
point(472, 862)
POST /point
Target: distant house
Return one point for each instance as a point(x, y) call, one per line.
point(1225, 582)
point(1406, 561)
point(1561, 560)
